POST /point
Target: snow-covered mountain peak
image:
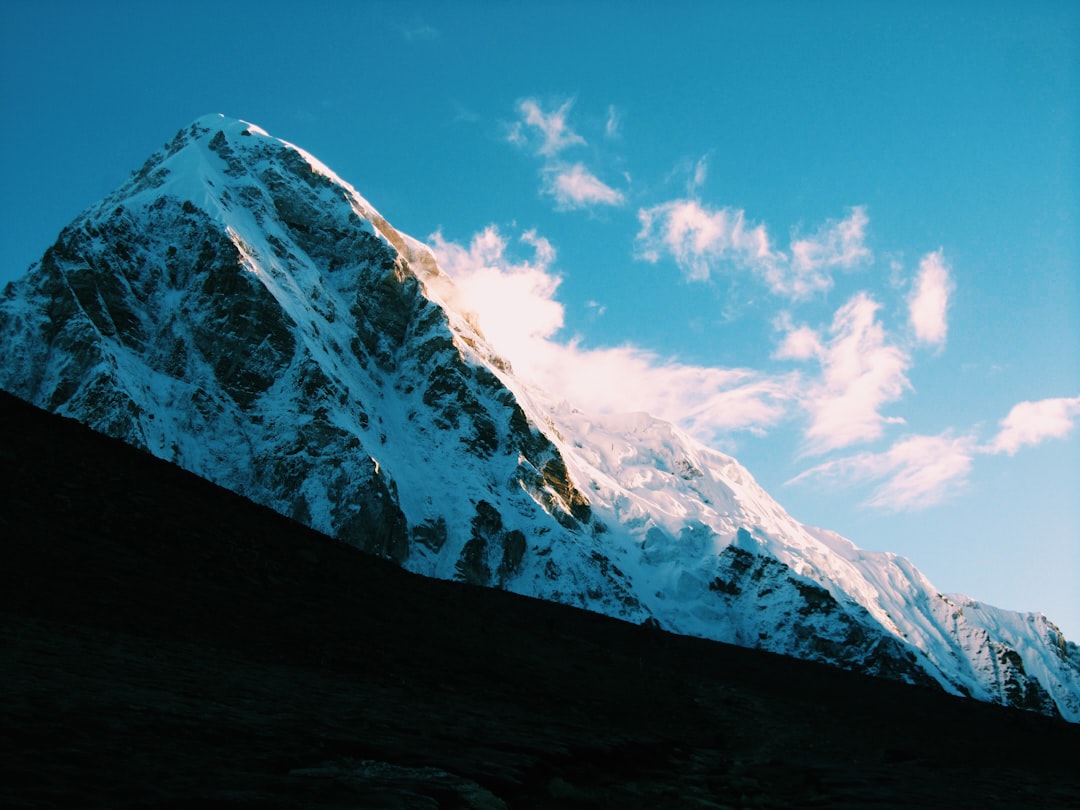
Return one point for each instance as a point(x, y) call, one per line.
point(240, 310)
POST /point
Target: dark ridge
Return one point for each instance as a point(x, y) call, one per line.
point(168, 644)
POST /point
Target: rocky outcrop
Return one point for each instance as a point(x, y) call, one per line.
point(235, 309)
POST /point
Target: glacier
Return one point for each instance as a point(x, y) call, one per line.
point(238, 309)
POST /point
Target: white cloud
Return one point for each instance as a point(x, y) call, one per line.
point(918, 471)
point(572, 185)
point(516, 135)
point(861, 372)
point(697, 237)
point(709, 402)
point(802, 343)
point(701, 240)
point(555, 134)
point(513, 302)
point(613, 123)
point(1031, 423)
point(836, 244)
point(929, 300)
point(701, 171)
point(545, 251)
point(576, 187)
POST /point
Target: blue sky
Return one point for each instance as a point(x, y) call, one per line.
point(838, 240)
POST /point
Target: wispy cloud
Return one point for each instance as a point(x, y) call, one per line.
point(920, 471)
point(701, 172)
point(698, 238)
point(929, 300)
point(613, 123)
point(576, 187)
point(836, 244)
point(838, 379)
point(861, 369)
point(916, 472)
point(860, 373)
point(709, 402)
point(1032, 423)
point(419, 31)
point(702, 241)
point(547, 132)
point(463, 114)
point(514, 303)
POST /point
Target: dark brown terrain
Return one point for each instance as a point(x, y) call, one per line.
point(167, 644)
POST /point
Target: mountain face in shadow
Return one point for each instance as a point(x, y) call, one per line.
point(240, 311)
point(169, 644)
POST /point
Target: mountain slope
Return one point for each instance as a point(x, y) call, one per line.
point(239, 310)
point(166, 644)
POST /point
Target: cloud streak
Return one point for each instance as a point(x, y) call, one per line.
point(613, 124)
point(572, 185)
point(929, 300)
point(513, 302)
point(849, 371)
point(920, 471)
point(697, 237)
point(555, 134)
point(916, 472)
point(860, 373)
point(1032, 423)
point(704, 241)
point(576, 187)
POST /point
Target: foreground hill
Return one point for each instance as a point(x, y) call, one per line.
point(169, 644)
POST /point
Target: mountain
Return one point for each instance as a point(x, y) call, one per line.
point(239, 310)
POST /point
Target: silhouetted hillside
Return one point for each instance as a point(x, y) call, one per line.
point(168, 644)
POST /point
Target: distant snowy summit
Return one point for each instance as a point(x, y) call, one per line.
point(238, 309)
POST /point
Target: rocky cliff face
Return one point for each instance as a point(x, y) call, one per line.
point(235, 309)
point(239, 310)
